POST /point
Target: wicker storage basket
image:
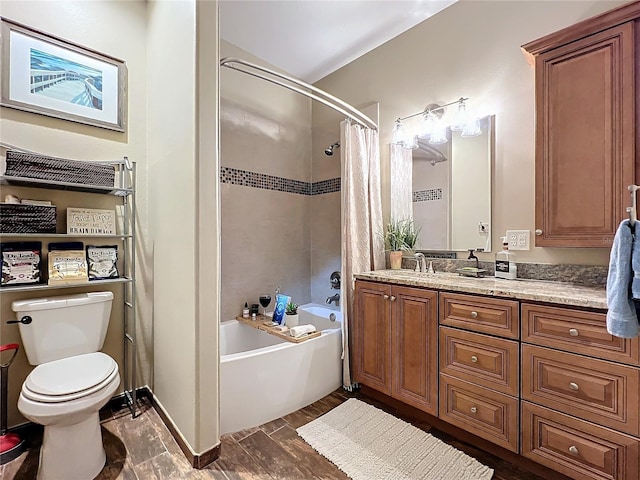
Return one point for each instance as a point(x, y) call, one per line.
point(30, 165)
point(19, 218)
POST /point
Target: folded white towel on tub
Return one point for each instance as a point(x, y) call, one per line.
point(301, 330)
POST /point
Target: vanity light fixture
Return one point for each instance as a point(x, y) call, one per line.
point(432, 125)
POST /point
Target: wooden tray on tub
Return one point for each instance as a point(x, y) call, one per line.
point(259, 323)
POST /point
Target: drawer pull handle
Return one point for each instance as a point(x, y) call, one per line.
point(573, 450)
point(574, 386)
point(386, 297)
point(474, 409)
point(538, 231)
point(474, 314)
point(573, 332)
point(474, 359)
point(393, 298)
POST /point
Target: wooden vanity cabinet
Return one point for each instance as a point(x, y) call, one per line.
point(586, 128)
point(395, 346)
point(545, 381)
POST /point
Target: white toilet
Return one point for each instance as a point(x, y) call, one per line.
point(71, 382)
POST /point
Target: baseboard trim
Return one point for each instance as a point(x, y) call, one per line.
point(197, 460)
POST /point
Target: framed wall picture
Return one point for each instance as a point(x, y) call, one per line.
point(44, 74)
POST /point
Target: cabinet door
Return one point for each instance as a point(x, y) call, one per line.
point(415, 347)
point(371, 336)
point(585, 138)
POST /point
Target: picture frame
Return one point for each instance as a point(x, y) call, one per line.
point(44, 74)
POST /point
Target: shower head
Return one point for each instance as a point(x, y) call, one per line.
point(329, 150)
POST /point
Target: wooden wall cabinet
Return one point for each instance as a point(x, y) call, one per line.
point(587, 96)
point(395, 349)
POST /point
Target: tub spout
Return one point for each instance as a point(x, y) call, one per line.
point(333, 299)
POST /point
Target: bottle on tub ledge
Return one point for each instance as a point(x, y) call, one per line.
point(506, 262)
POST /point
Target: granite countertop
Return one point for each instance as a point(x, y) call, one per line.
point(536, 290)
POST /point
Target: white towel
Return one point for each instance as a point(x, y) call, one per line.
point(301, 330)
point(622, 320)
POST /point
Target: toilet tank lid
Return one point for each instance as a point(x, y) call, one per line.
point(62, 301)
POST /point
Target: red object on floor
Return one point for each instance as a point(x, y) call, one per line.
point(9, 441)
point(10, 444)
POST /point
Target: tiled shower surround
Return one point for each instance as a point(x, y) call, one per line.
point(274, 229)
point(246, 178)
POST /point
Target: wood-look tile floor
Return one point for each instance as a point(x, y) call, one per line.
point(143, 449)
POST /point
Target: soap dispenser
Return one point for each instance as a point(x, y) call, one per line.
point(506, 262)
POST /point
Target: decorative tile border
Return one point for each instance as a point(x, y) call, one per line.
point(427, 195)
point(326, 186)
point(245, 178)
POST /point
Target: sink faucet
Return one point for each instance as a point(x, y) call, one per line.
point(333, 299)
point(473, 257)
point(421, 262)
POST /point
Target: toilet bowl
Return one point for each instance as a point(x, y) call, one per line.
point(72, 380)
point(65, 396)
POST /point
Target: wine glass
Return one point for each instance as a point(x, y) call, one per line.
point(265, 301)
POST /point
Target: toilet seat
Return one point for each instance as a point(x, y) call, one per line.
point(70, 378)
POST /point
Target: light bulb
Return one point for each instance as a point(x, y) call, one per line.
point(426, 125)
point(471, 128)
point(439, 133)
point(411, 143)
point(398, 137)
point(460, 119)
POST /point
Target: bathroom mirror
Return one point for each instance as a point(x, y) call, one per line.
point(446, 189)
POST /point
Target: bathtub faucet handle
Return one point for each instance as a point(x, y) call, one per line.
point(333, 298)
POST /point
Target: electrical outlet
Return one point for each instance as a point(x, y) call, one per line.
point(518, 239)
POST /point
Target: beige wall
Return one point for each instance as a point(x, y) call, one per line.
point(182, 112)
point(177, 206)
point(265, 233)
point(88, 24)
point(471, 49)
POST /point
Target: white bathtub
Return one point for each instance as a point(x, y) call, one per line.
point(263, 377)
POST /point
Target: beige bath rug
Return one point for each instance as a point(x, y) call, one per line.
point(369, 444)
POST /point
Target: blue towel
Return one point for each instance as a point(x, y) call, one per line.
point(635, 265)
point(622, 320)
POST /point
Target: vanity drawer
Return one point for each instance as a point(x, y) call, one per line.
point(487, 361)
point(603, 392)
point(578, 332)
point(576, 448)
point(494, 316)
point(483, 412)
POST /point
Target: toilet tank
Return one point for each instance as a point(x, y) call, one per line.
point(63, 326)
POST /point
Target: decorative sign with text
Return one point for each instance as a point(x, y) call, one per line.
point(88, 221)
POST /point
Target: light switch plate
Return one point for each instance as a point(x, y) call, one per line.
point(518, 239)
point(483, 228)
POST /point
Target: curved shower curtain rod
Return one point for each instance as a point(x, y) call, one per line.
point(314, 93)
